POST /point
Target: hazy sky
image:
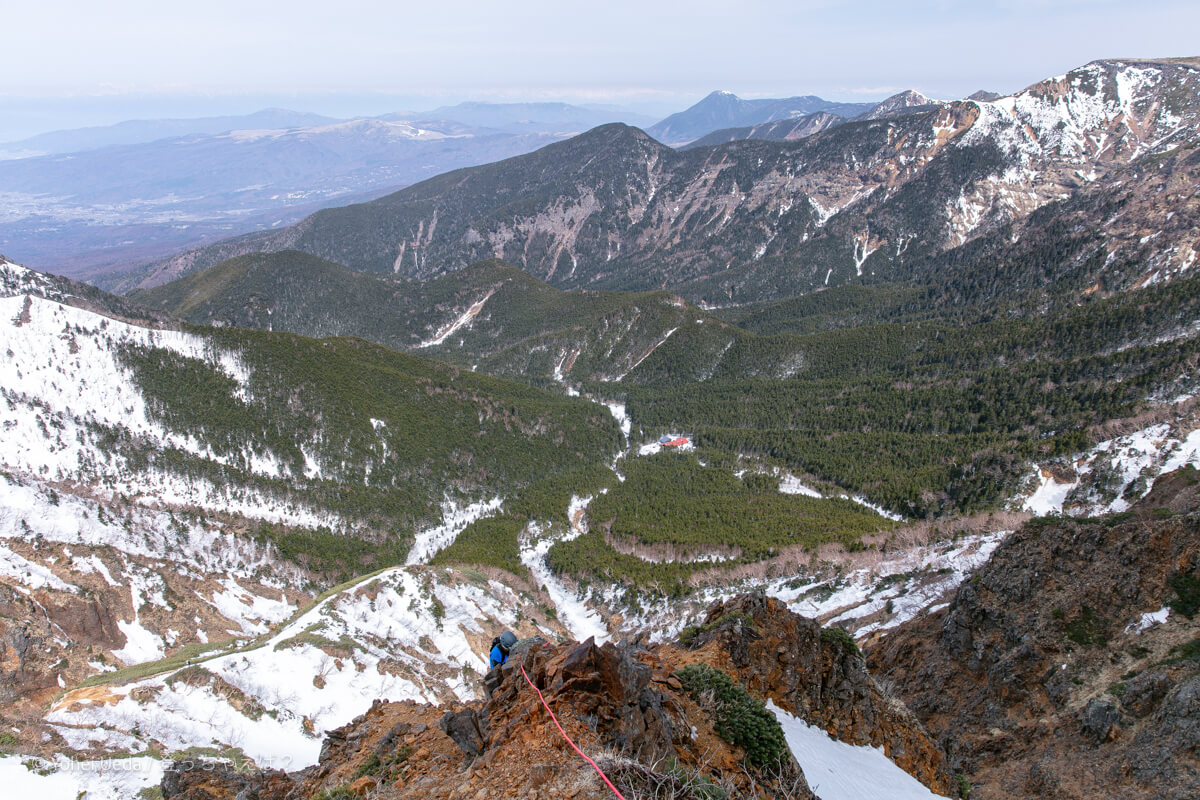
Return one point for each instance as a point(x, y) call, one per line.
point(130, 58)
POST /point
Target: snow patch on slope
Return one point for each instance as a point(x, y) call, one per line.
point(458, 323)
point(836, 770)
point(1126, 466)
point(1149, 620)
point(790, 484)
point(253, 613)
point(29, 575)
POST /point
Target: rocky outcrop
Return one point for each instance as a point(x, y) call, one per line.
point(205, 780)
point(817, 674)
point(1051, 674)
point(623, 704)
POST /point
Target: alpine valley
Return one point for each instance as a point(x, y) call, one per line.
point(811, 449)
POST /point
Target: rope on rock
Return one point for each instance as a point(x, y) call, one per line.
point(599, 771)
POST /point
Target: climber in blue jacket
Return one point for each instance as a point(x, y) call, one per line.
point(500, 648)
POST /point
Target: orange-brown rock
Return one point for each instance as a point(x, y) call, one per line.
point(817, 674)
point(621, 704)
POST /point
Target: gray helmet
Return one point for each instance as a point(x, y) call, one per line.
point(508, 639)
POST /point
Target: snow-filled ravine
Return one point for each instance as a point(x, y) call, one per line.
point(836, 770)
point(576, 616)
point(455, 519)
point(416, 633)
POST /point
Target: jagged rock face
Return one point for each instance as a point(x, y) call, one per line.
point(1039, 679)
point(612, 702)
point(610, 686)
point(623, 705)
point(820, 676)
point(45, 637)
point(200, 780)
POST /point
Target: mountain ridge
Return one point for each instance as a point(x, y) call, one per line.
point(139, 131)
point(862, 201)
point(722, 109)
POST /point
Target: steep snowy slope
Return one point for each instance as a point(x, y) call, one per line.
point(264, 426)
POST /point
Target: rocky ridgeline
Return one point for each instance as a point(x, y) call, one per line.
point(1069, 665)
point(633, 708)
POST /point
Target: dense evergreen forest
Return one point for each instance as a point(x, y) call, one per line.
point(379, 439)
point(673, 516)
point(924, 417)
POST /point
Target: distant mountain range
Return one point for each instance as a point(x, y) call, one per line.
point(784, 130)
point(89, 212)
point(139, 131)
point(726, 110)
point(533, 117)
point(91, 201)
point(893, 198)
point(102, 199)
point(506, 117)
point(792, 128)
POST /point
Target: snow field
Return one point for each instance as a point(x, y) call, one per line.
point(408, 633)
point(836, 770)
point(112, 779)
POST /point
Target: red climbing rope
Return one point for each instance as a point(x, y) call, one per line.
point(599, 771)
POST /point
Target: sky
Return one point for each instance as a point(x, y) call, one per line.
point(68, 63)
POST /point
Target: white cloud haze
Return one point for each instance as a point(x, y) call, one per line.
point(614, 51)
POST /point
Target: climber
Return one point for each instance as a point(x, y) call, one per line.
point(500, 647)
